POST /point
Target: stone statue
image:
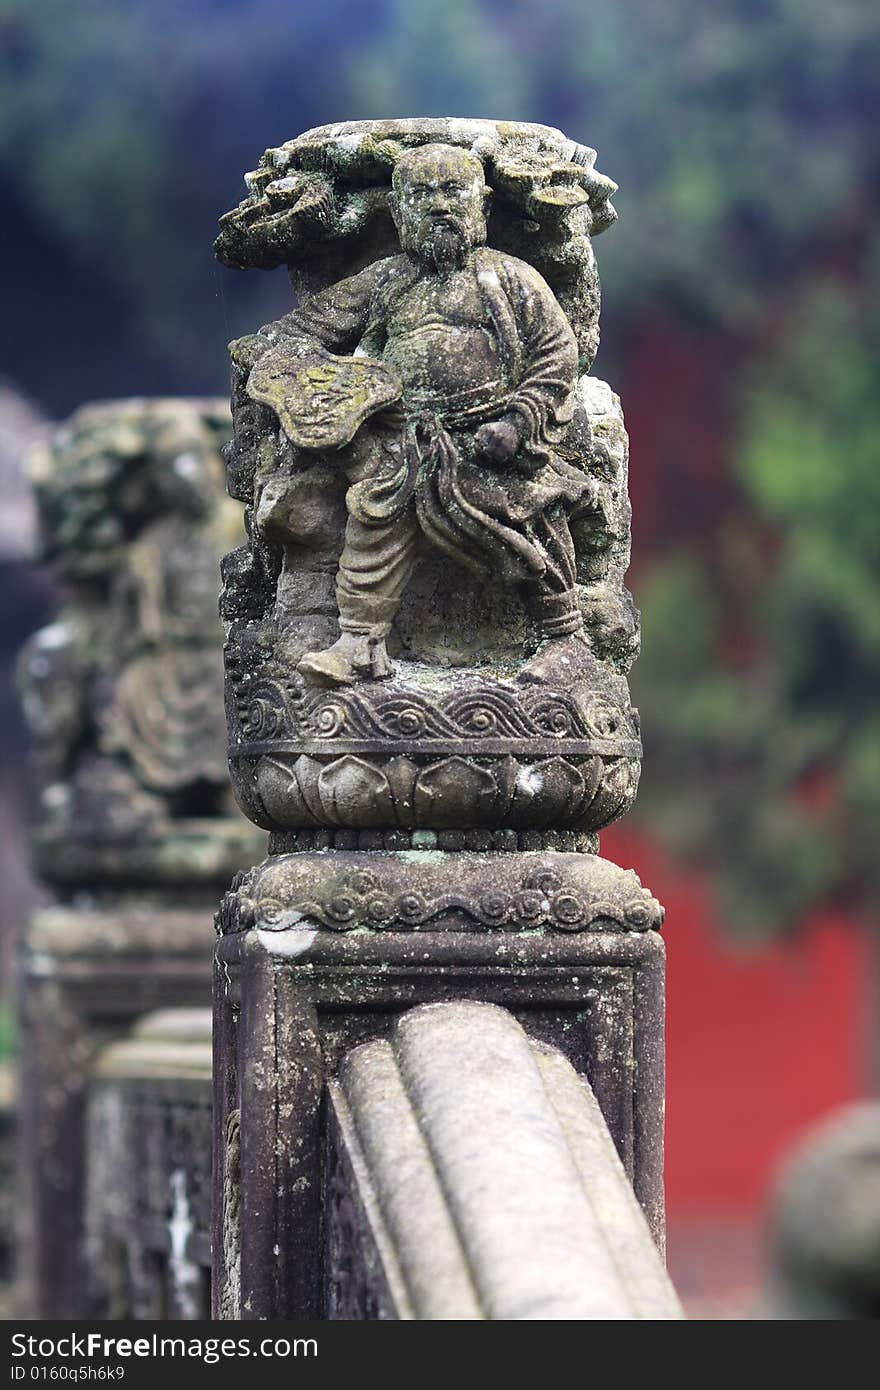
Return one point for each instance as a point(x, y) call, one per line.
point(428, 639)
point(482, 363)
point(436, 494)
point(121, 690)
point(825, 1223)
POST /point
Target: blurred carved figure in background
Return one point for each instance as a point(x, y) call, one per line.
point(123, 693)
point(123, 689)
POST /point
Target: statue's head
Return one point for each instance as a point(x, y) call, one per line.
point(117, 467)
point(439, 203)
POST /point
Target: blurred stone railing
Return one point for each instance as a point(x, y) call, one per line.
point(148, 1171)
point(137, 834)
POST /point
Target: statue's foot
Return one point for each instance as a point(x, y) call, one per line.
point(351, 658)
point(380, 665)
point(560, 662)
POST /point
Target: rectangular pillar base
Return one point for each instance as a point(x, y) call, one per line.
point(293, 994)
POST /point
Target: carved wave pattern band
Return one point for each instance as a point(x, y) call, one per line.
point(293, 717)
point(542, 901)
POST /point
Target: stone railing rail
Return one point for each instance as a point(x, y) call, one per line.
point(472, 1176)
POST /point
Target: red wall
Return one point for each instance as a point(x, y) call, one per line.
point(760, 1043)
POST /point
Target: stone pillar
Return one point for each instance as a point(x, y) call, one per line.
point(148, 1184)
point(428, 637)
point(292, 996)
point(138, 834)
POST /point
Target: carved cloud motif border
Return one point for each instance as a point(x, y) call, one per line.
point(362, 899)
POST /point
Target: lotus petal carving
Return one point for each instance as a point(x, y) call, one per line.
point(353, 791)
point(547, 793)
point(281, 795)
point(455, 792)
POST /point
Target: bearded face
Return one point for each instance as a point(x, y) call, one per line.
point(443, 243)
point(439, 205)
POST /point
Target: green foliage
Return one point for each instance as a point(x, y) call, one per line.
point(126, 128)
point(771, 772)
point(809, 455)
point(739, 132)
point(438, 60)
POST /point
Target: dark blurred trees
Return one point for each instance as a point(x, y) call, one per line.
point(740, 131)
point(740, 324)
point(761, 673)
point(124, 133)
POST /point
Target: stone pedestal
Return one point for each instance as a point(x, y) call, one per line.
point(148, 1182)
point(321, 951)
point(91, 966)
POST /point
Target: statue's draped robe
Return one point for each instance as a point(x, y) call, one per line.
point(155, 714)
point(423, 470)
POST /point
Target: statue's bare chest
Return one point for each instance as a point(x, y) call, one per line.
point(434, 303)
point(440, 336)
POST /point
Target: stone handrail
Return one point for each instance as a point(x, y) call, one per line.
point(472, 1176)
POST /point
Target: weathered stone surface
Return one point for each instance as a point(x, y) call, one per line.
point(320, 203)
point(428, 638)
point(472, 1176)
point(429, 890)
point(505, 841)
point(289, 1004)
point(87, 975)
point(460, 475)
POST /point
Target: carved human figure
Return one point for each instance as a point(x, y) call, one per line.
point(122, 691)
point(457, 436)
point(424, 458)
